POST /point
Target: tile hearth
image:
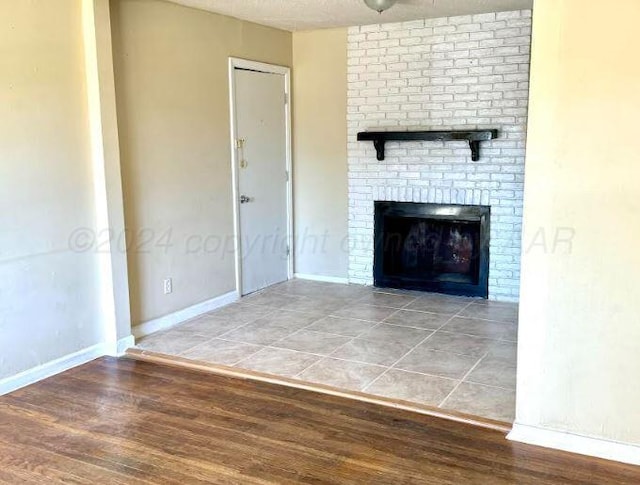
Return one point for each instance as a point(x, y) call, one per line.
point(452, 352)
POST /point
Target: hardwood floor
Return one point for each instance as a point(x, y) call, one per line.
point(123, 421)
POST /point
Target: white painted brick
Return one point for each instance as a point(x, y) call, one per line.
point(466, 62)
point(444, 29)
point(469, 44)
point(507, 50)
point(377, 35)
point(523, 40)
point(508, 32)
point(413, 24)
point(447, 73)
point(436, 22)
point(369, 44)
point(442, 47)
point(410, 41)
point(519, 59)
point(481, 35)
point(441, 63)
point(495, 26)
point(456, 89)
point(516, 14)
point(370, 28)
point(377, 51)
point(390, 43)
point(457, 37)
point(487, 17)
point(465, 80)
point(423, 32)
point(462, 54)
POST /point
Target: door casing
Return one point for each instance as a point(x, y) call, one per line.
point(234, 63)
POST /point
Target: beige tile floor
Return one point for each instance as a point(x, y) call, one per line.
point(453, 352)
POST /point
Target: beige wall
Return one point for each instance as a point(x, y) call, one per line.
point(107, 177)
point(578, 361)
point(320, 152)
point(171, 65)
point(49, 294)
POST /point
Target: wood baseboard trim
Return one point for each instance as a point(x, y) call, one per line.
point(198, 365)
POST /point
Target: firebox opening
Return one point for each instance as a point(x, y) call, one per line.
point(432, 247)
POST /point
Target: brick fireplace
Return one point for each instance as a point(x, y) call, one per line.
point(466, 72)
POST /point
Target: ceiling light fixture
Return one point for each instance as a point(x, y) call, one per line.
point(380, 5)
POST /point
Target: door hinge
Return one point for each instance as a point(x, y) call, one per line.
point(286, 175)
point(288, 250)
point(239, 143)
point(286, 98)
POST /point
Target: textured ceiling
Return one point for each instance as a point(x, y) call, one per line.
point(320, 14)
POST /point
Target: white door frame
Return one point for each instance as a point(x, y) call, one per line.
point(235, 62)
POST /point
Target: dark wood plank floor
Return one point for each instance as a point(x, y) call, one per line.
point(118, 421)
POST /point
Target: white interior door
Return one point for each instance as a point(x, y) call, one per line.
point(261, 158)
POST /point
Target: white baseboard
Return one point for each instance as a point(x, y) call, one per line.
point(49, 369)
point(119, 348)
point(183, 315)
point(325, 279)
point(30, 376)
point(583, 445)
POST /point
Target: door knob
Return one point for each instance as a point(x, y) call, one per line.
point(244, 199)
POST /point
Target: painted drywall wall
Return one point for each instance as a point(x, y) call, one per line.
point(107, 179)
point(320, 152)
point(171, 67)
point(578, 358)
point(49, 293)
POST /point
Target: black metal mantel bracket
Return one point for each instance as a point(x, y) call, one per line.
point(474, 137)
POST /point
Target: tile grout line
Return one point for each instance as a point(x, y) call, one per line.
point(297, 376)
point(271, 310)
point(331, 355)
point(403, 308)
point(263, 347)
point(462, 379)
point(209, 339)
point(224, 333)
point(392, 366)
point(306, 327)
point(249, 322)
point(214, 313)
point(375, 324)
point(321, 356)
point(487, 320)
point(270, 345)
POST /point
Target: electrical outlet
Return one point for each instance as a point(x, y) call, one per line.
point(168, 286)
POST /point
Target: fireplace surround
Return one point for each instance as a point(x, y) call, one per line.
point(432, 247)
point(424, 76)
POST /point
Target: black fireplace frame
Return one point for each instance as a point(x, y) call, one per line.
point(449, 212)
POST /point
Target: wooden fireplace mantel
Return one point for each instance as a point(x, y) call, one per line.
point(474, 137)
